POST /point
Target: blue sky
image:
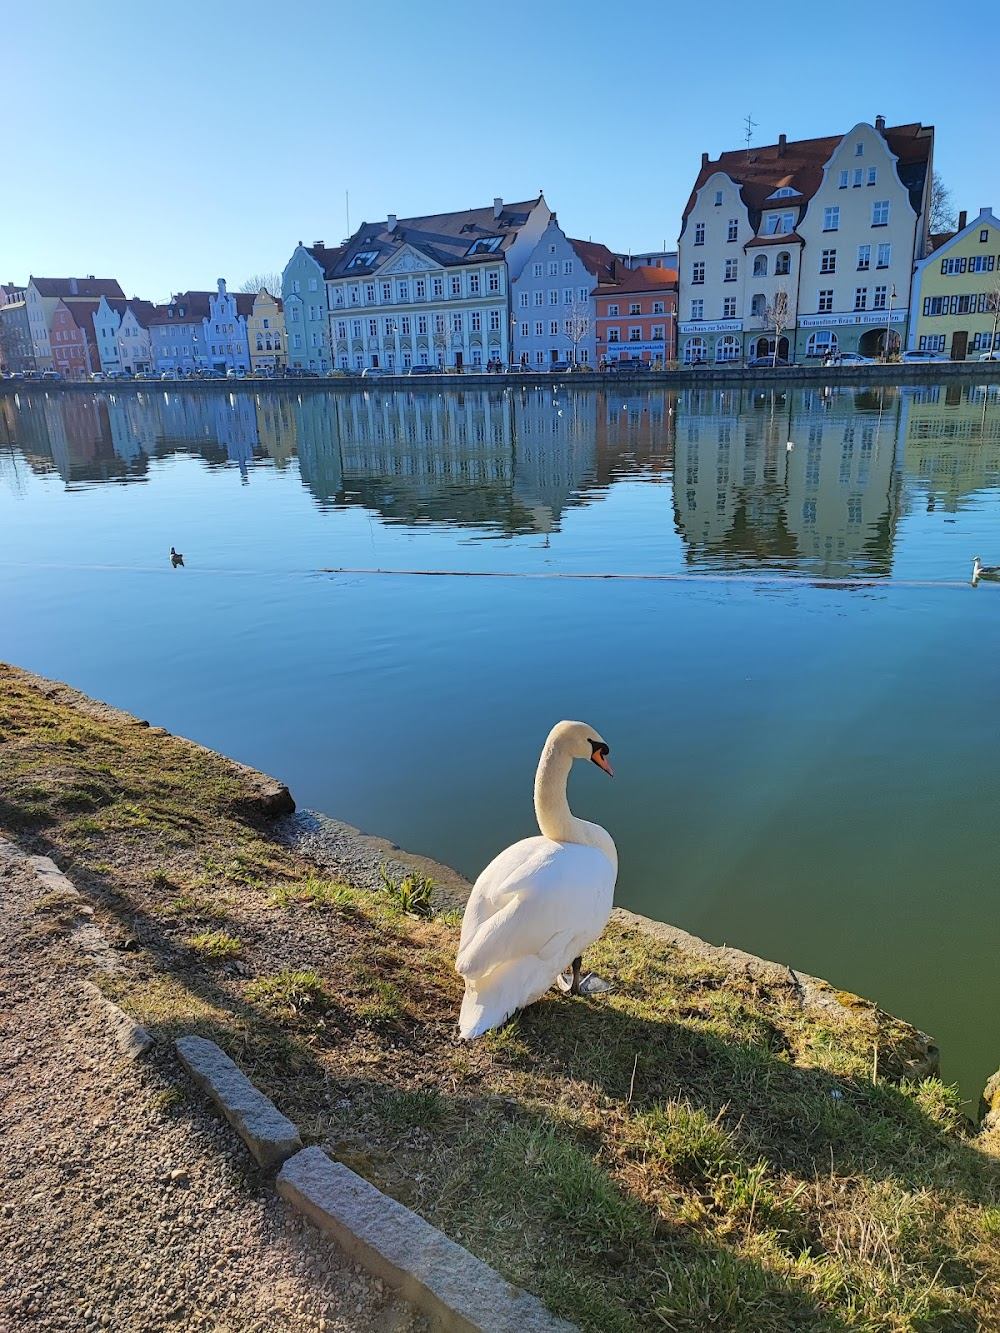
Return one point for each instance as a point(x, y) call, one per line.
point(172, 145)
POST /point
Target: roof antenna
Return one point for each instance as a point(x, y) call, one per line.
point(751, 125)
point(347, 209)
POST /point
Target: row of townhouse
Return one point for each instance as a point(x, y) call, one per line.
point(822, 246)
point(79, 327)
point(479, 289)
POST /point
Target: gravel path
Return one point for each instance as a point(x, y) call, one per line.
point(124, 1203)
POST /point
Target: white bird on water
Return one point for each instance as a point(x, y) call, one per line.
point(543, 900)
point(789, 446)
point(981, 571)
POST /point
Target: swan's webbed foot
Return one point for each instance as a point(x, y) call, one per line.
point(582, 983)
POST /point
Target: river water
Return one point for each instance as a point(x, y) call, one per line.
point(803, 719)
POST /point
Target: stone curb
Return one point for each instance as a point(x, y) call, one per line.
point(429, 1270)
point(269, 1135)
point(132, 1039)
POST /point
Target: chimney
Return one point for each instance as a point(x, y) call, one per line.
point(880, 124)
point(390, 225)
point(317, 245)
point(90, 277)
point(73, 286)
point(704, 161)
point(497, 207)
point(963, 218)
point(782, 141)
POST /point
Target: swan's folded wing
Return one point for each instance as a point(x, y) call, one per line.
point(547, 902)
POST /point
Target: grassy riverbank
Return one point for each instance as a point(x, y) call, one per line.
point(695, 1150)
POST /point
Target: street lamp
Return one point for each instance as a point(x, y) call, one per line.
point(888, 322)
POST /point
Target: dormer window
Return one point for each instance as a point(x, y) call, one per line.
point(786, 192)
point(364, 259)
point(488, 245)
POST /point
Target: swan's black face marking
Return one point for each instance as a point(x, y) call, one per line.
point(599, 756)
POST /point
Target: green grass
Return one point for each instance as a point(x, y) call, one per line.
point(413, 892)
point(290, 990)
point(216, 944)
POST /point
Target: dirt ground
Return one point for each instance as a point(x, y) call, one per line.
point(125, 1203)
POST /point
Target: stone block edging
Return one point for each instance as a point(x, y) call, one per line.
point(432, 1272)
point(269, 1135)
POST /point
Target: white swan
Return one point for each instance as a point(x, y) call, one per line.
point(981, 571)
point(542, 901)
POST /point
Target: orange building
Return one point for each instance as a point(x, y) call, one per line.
point(637, 317)
point(72, 353)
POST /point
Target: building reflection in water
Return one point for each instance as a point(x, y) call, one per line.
point(509, 460)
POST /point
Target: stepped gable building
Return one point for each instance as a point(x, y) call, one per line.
point(42, 297)
point(431, 290)
point(177, 333)
point(123, 340)
point(304, 299)
point(825, 231)
point(956, 291)
point(554, 313)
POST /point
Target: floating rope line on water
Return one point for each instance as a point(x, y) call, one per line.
point(769, 577)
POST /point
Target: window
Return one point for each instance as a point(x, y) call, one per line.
point(389, 326)
point(984, 236)
point(934, 342)
point(828, 261)
point(356, 327)
point(831, 219)
point(864, 258)
point(861, 298)
point(783, 264)
point(494, 321)
point(881, 294)
point(540, 358)
point(456, 322)
point(369, 293)
point(567, 296)
point(312, 284)
point(883, 256)
point(634, 308)
point(584, 294)
point(821, 343)
point(341, 330)
point(843, 180)
point(421, 289)
point(473, 284)
point(859, 175)
point(437, 286)
point(522, 300)
point(553, 328)
point(951, 266)
point(825, 304)
point(476, 321)
point(456, 284)
point(760, 266)
point(698, 309)
point(657, 307)
point(553, 296)
point(525, 330)
point(729, 307)
point(718, 198)
point(859, 150)
point(613, 311)
point(537, 270)
point(439, 323)
point(727, 348)
point(613, 335)
point(635, 334)
point(732, 269)
point(387, 291)
point(421, 323)
point(373, 328)
point(539, 298)
point(539, 329)
point(553, 267)
point(567, 267)
point(757, 304)
point(656, 333)
point(493, 280)
point(699, 233)
point(981, 264)
point(872, 175)
point(733, 230)
point(404, 326)
point(880, 213)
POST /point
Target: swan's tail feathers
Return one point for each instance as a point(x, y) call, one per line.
point(490, 1000)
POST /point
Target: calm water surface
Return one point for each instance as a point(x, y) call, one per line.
point(806, 769)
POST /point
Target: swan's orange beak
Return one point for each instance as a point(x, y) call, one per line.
point(601, 760)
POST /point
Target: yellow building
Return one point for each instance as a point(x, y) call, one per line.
point(956, 293)
point(266, 334)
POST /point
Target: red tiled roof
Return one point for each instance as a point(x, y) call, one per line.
point(195, 306)
point(780, 238)
point(244, 302)
point(596, 259)
point(799, 165)
point(143, 310)
point(85, 287)
point(326, 256)
point(643, 279)
point(939, 238)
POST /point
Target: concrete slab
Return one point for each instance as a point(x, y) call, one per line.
point(390, 1240)
point(269, 1135)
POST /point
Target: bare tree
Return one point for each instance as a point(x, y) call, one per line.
point(576, 325)
point(271, 282)
point(776, 316)
point(941, 214)
point(993, 308)
point(440, 339)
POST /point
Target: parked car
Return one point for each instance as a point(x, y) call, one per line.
point(853, 359)
point(51, 375)
point(767, 363)
point(374, 373)
point(918, 358)
point(989, 356)
point(559, 367)
point(422, 370)
point(627, 366)
point(97, 377)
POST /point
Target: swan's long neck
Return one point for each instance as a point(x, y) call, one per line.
point(555, 819)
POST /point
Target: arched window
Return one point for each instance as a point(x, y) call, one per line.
point(757, 304)
point(760, 266)
point(695, 350)
point(783, 263)
point(821, 343)
point(727, 348)
point(260, 343)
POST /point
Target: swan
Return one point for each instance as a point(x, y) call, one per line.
point(176, 558)
point(981, 571)
point(543, 900)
